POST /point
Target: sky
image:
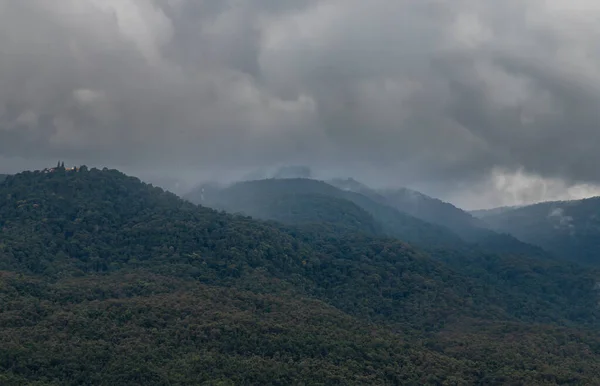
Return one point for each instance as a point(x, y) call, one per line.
point(479, 102)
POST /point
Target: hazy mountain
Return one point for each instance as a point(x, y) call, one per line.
point(3, 177)
point(570, 229)
point(104, 279)
point(435, 211)
point(267, 199)
point(432, 210)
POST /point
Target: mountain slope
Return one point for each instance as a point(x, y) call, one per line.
point(435, 211)
point(106, 280)
point(133, 329)
point(418, 205)
point(271, 199)
point(288, 206)
point(102, 221)
point(259, 198)
point(143, 329)
point(570, 229)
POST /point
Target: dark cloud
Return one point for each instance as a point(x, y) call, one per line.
point(442, 95)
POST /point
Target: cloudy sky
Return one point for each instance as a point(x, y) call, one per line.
point(481, 102)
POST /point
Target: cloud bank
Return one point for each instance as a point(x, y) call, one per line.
point(433, 93)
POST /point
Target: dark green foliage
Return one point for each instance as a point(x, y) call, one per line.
point(569, 229)
point(146, 329)
point(106, 280)
point(76, 223)
point(302, 209)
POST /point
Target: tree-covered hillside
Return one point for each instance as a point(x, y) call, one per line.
point(415, 218)
point(435, 211)
point(295, 208)
point(420, 206)
point(257, 198)
point(106, 280)
point(569, 229)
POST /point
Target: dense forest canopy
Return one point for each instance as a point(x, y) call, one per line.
point(107, 280)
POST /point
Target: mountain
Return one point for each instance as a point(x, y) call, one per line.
point(569, 229)
point(107, 280)
point(288, 202)
point(416, 204)
point(300, 200)
point(326, 209)
point(3, 177)
point(435, 211)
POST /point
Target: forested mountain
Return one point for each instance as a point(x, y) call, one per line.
point(106, 280)
point(435, 211)
point(418, 205)
point(2, 177)
point(299, 200)
point(352, 205)
point(569, 229)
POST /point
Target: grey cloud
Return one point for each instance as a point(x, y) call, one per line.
point(422, 93)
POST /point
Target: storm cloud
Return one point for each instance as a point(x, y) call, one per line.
point(436, 94)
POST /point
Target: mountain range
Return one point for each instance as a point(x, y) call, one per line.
point(105, 279)
point(568, 229)
point(404, 214)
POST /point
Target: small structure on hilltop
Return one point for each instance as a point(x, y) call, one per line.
point(61, 166)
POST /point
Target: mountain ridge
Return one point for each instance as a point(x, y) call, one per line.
point(106, 279)
point(245, 196)
point(569, 229)
point(438, 212)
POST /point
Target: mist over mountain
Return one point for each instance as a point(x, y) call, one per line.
point(416, 204)
point(301, 192)
point(569, 229)
point(102, 275)
point(263, 199)
point(400, 213)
